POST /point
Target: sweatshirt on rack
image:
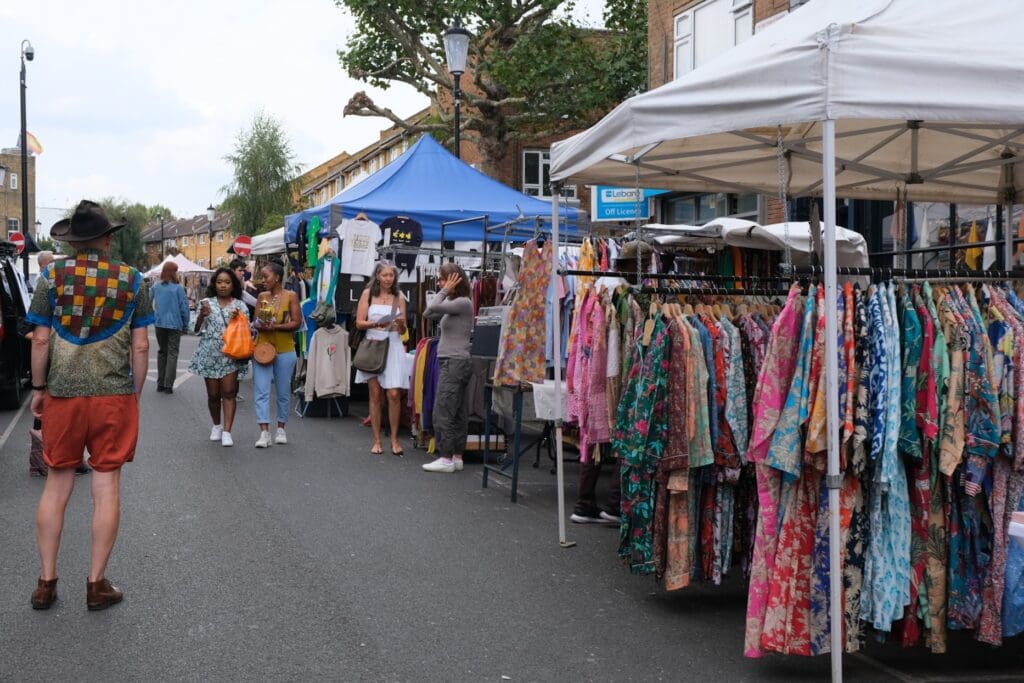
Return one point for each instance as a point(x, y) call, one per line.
point(329, 364)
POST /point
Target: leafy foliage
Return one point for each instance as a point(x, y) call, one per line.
point(264, 171)
point(533, 73)
point(127, 246)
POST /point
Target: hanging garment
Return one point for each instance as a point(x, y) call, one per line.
point(330, 364)
point(772, 388)
point(403, 231)
point(359, 240)
point(521, 351)
point(641, 429)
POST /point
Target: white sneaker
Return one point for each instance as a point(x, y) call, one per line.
point(458, 464)
point(216, 432)
point(226, 440)
point(264, 440)
point(440, 465)
point(280, 437)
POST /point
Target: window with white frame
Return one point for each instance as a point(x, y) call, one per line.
point(14, 181)
point(220, 236)
point(202, 263)
point(12, 225)
point(537, 175)
point(707, 30)
point(184, 240)
point(171, 242)
point(202, 238)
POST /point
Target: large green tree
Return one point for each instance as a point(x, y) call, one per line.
point(127, 246)
point(264, 171)
point(533, 72)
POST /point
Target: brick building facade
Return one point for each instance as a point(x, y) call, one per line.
point(681, 36)
point(192, 238)
point(10, 191)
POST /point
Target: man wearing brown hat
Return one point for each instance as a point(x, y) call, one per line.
point(90, 356)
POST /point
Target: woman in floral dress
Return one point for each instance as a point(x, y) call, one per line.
point(223, 301)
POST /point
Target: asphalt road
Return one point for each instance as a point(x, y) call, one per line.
point(317, 559)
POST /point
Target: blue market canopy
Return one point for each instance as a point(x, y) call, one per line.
point(428, 184)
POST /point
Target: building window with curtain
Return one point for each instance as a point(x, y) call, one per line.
point(537, 175)
point(707, 30)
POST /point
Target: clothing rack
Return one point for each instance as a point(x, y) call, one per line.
point(711, 291)
point(677, 276)
point(914, 273)
point(946, 247)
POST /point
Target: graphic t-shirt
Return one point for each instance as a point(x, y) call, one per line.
point(92, 306)
point(359, 239)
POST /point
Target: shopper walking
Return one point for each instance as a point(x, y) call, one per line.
point(90, 355)
point(278, 315)
point(172, 317)
point(381, 299)
point(453, 306)
point(222, 303)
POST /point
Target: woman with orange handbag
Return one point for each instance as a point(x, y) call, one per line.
point(223, 302)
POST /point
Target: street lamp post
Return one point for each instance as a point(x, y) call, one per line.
point(456, 49)
point(163, 242)
point(3, 189)
point(210, 215)
point(28, 53)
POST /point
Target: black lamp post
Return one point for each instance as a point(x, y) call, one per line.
point(456, 49)
point(210, 215)
point(3, 190)
point(28, 53)
point(163, 242)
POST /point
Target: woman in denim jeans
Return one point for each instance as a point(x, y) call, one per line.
point(277, 326)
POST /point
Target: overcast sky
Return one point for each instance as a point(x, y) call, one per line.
point(141, 100)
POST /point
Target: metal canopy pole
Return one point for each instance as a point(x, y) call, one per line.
point(834, 478)
point(556, 353)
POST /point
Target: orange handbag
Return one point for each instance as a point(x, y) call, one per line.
point(238, 344)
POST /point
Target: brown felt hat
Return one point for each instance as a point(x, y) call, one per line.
point(88, 222)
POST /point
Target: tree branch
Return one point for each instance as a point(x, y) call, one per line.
point(362, 105)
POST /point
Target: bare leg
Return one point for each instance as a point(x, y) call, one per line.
point(376, 399)
point(106, 518)
point(213, 400)
point(228, 392)
point(395, 416)
point(50, 518)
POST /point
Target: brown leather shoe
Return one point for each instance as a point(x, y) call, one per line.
point(101, 594)
point(45, 594)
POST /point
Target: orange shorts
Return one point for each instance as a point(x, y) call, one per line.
point(107, 425)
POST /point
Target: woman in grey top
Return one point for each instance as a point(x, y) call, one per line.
point(454, 307)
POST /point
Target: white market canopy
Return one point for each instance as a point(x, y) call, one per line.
point(851, 247)
point(928, 97)
point(269, 243)
point(184, 266)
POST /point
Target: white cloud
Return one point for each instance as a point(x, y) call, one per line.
point(143, 100)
